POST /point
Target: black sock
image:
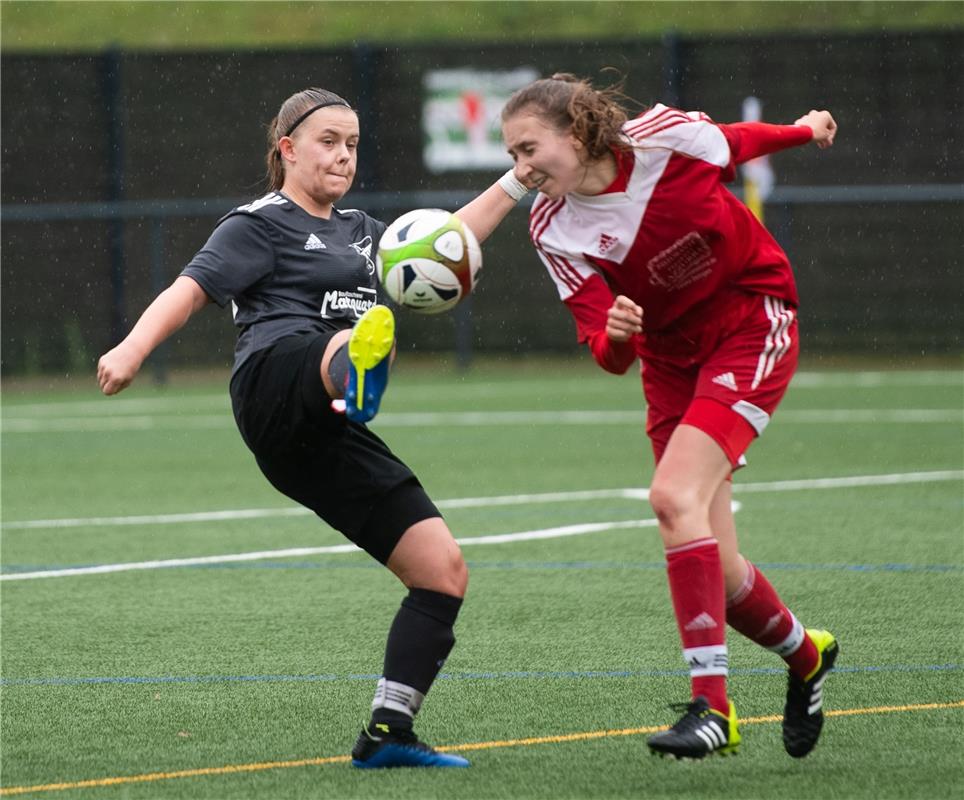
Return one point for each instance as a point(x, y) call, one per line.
point(338, 368)
point(419, 641)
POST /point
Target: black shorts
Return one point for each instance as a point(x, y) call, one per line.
point(337, 468)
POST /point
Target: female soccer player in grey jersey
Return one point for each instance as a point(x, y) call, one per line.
point(300, 276)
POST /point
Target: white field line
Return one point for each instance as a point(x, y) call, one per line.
point(852, 481)
point(416, 419)
point(545, 533)
point(159, 519)
point(486, 502)
point(872, 379)
point(501, 538)
point(219, 401)
point(872, 415)
point(122, 405)
point(299, 511)
point(129, 566)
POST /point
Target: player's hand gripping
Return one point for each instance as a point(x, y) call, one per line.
point(117, 368)
point(624, 319)
point(823, 126)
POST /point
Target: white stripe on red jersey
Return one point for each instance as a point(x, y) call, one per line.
point(692, 134)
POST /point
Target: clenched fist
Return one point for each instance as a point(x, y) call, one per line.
point(624, 319)
point(823, 126)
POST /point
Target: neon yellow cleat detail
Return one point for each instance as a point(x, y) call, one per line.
point(699, 732)
point(369, 350)
point(803, 712)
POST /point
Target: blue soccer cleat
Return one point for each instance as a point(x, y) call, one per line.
point(399, 748)
point(369, 350)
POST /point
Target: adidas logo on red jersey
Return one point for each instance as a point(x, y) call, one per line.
point(607, 243)
point(727, 380)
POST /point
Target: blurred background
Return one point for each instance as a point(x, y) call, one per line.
point(129, 128)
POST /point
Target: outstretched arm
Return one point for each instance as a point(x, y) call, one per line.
point(169, 311)
point(749, 140)
point(485, 212)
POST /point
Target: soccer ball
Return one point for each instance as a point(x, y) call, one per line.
point(428, 260)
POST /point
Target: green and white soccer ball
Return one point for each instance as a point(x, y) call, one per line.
point(428, 260)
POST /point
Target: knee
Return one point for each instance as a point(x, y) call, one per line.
point(453, 574)
point(459, 576)
point(334, 379)
point(448, 574)
point(672, 502)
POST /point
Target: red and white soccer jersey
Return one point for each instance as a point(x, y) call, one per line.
point(671, 237)
point(675, 235)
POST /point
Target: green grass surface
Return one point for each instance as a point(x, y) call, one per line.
point(83, 26)
point(271, 662)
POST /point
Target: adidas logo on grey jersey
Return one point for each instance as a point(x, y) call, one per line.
point(314, 243)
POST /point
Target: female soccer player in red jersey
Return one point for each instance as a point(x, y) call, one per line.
point(657, 260)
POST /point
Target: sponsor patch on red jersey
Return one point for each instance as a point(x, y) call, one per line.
point(685, 261)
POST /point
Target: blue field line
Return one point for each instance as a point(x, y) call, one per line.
point(517, 565)
point(456, 676)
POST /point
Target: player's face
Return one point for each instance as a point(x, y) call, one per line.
point(324, 154)
point(546, 159)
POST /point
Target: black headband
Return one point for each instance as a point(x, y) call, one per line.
point(312, 110)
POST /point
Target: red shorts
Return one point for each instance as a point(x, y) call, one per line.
point(725, 378)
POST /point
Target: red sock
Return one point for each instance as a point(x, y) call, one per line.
point(757, 612)
point(696, 585)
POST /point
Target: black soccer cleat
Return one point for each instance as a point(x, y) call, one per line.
point(700, 731)
point(397, 748)
point(803, 712)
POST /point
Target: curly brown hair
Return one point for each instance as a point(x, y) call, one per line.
point(288, 117)
point(568, 103)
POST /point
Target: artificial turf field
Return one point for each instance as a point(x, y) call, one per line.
point(245, 669)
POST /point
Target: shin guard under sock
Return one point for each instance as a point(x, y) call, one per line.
point(419, 641)
point(696, 586)
point(757, 611)
point(338, 368)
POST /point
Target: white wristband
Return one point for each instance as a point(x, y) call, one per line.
point(512, 186)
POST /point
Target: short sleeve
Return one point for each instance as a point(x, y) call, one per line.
point(377, 229)
point(236, 256)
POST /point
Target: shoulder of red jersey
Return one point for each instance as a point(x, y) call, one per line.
point(547, 229)
point(690, 133)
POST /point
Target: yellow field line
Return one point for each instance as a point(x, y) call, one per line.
point(181, 773)
point(318, 762)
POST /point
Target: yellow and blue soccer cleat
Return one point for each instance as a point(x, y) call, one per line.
point(369, 353)
point(803, 712)
point(387, 748)
point(700, 731)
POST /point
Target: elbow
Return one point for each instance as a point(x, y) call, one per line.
point(614, 357)
point(615, 366)
point(477, 226)
point(200, 302)
point(615, 369)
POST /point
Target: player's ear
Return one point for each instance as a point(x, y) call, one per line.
point(287, 148)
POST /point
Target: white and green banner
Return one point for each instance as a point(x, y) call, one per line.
point(460, 116)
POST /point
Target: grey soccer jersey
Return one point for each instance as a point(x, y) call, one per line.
point(286, 272)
